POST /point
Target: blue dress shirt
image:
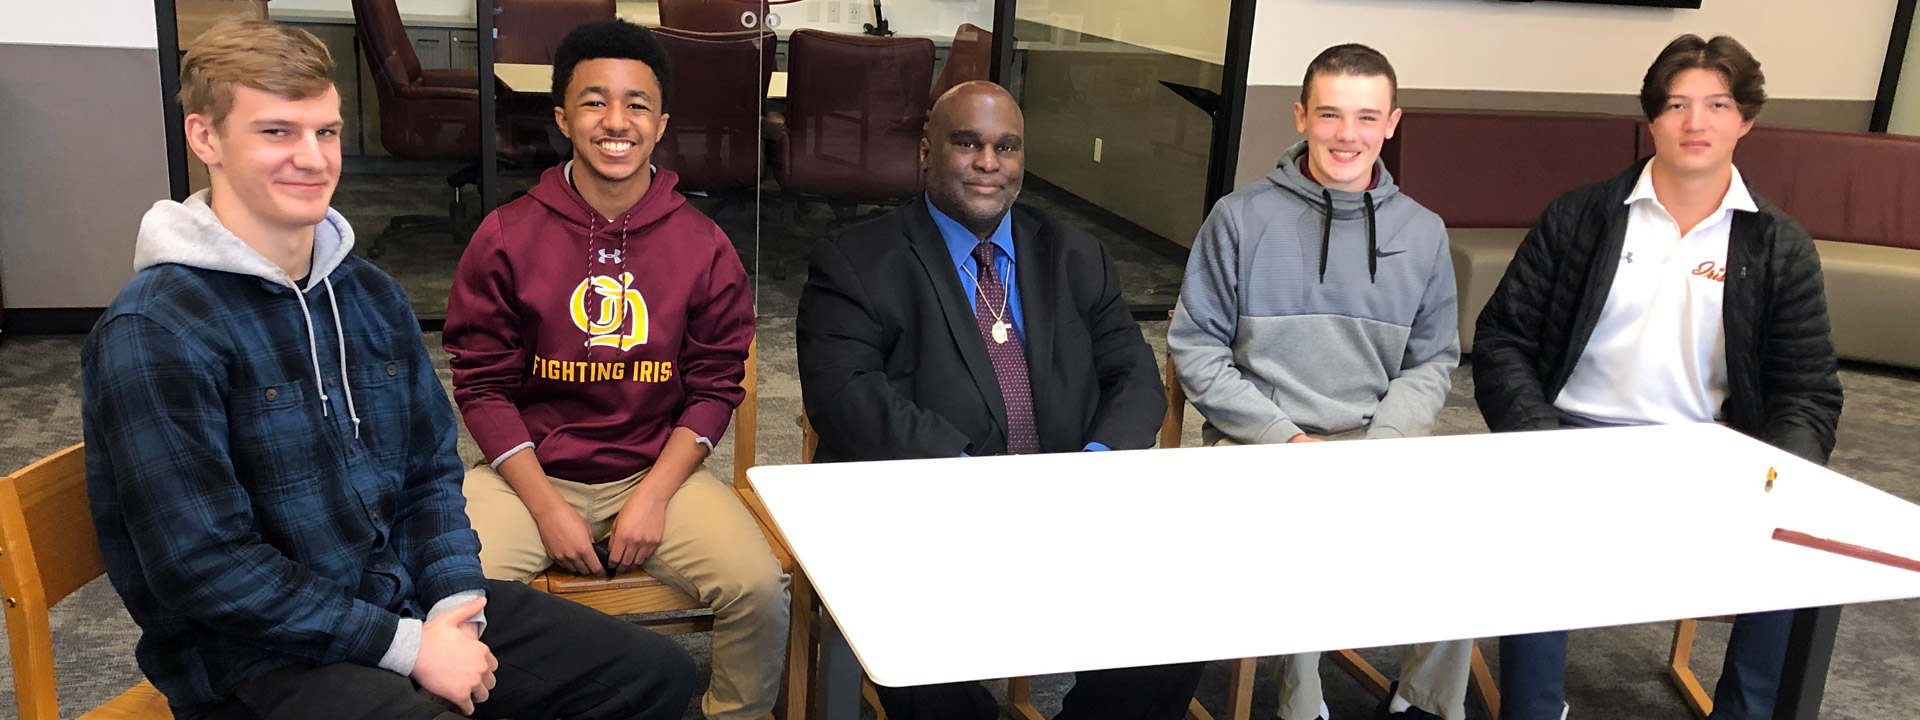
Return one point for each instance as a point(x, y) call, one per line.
point(960, 245)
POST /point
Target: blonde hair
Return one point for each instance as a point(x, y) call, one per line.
point(286, 61)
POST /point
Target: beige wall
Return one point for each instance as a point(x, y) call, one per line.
point(1819, 49)
point(88, 23)
point(1190, 28)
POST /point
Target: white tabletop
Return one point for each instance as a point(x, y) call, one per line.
point(963, 569)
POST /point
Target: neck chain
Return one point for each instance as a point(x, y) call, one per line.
point(1000, 324)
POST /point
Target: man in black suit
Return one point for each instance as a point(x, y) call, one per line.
point(962, 325)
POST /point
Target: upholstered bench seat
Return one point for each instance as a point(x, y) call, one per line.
point(1480, 257)
point(1873, 299)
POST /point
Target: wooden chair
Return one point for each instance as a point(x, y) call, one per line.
point(1698, 699)
point(47, 551)
point(634, 592)
point(1240, 682)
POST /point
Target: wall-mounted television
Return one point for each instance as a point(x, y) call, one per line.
point(1684, 4)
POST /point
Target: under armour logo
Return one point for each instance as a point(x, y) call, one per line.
point(1627, 257)
point(610, 256)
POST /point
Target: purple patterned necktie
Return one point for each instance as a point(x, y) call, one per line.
point(995, 318)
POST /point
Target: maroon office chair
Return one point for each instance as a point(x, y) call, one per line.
point(970, 58)
point(713, 16)
point(713, 126)
point(529, 30)
point(856, 106)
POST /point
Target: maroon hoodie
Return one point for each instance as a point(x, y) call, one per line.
point(594, 339)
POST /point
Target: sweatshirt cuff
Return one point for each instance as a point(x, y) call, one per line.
point(448, 603)
point(405, 648)
point(707, 420)
point(495, 464)
point(497, 430)
point(1280, 431)
point(1383, 431)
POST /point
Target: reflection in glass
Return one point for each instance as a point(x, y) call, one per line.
point(407, 73)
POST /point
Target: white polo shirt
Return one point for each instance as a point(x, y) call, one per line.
point(1658, 354)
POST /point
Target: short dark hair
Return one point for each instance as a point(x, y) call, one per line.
point(1350, 59)
point(617, 39)
point(1723, 55)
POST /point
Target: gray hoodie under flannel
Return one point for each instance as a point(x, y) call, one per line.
point(1318, 311)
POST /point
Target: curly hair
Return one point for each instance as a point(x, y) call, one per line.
point(616, 39)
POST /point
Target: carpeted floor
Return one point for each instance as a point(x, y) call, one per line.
point(1614, 672)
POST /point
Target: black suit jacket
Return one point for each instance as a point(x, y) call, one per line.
point(892, 365)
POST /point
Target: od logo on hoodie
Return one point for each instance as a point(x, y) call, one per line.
point(620, 323)
point(621, 307)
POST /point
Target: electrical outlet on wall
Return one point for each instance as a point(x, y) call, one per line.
point(1096, 149)
point(833, 11)
point(856, 12)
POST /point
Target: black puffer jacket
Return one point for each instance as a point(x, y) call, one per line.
point(1782, 380)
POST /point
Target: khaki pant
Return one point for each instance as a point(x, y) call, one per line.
point(1433, 676)
point(712, 550)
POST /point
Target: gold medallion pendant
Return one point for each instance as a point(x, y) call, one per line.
point(1000, 331)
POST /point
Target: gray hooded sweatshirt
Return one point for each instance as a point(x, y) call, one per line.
point(1318, 311)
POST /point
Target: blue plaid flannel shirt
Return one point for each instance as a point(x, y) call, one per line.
point(245, 529)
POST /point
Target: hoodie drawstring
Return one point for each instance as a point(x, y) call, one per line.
point(1326, 233)
point(1373, 255)
point(1326, 236)
point(346, 386)
point(620, 257)
point(313, 350)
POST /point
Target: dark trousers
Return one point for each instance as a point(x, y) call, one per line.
point(557, 659)
point(1159, 692)
point(1533, 671)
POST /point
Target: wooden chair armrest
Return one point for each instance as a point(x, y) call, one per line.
point(778, 542)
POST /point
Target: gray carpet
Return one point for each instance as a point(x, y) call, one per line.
point(1614, 673)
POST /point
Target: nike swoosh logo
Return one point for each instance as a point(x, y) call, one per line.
point(1386, 253)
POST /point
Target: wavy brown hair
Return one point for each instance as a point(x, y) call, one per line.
point(1723, 55)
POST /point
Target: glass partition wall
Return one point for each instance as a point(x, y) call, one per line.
point(792, 119)
point(789, 119)
point(1120, 97)
point(410, 175)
